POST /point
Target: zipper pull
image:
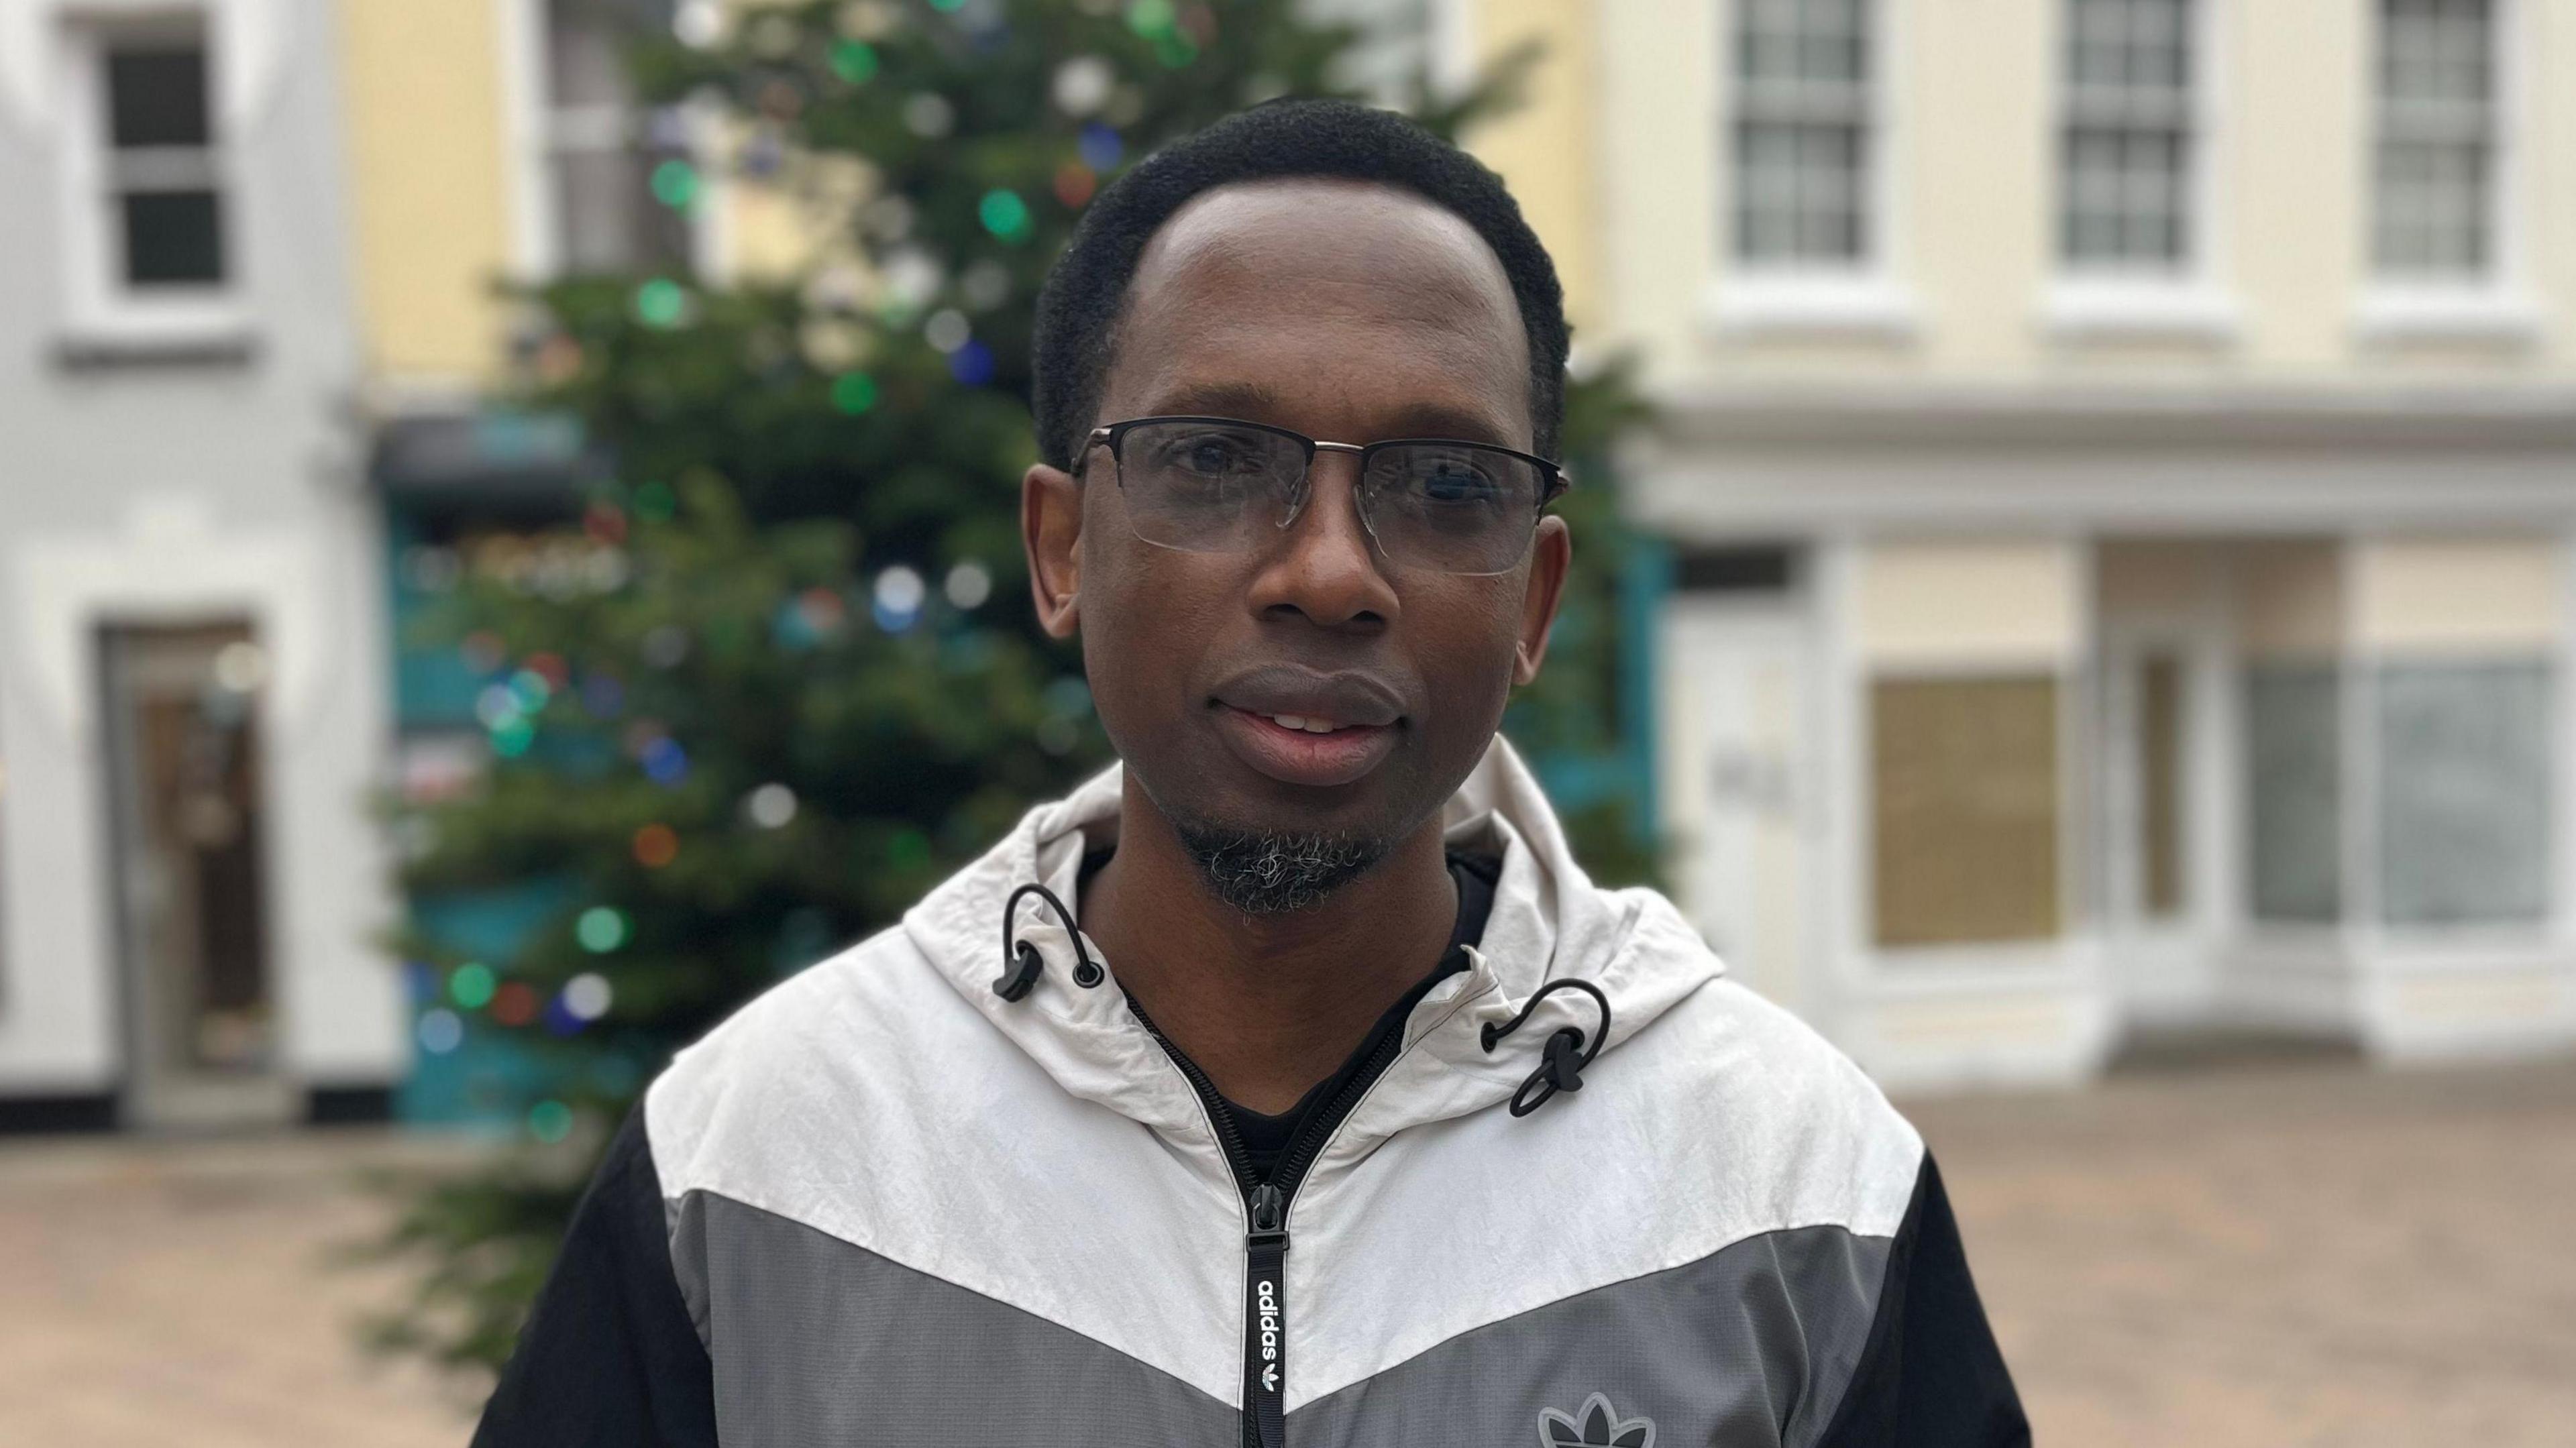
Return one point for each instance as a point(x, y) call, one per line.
point(1269, 1217)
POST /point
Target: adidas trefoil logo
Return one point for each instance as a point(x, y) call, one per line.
point(1595, 1425)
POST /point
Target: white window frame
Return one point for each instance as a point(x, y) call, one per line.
point(1860, 300)
point(2185, 303)
point(2497, 306)
point(536, 230)
point(100, 310)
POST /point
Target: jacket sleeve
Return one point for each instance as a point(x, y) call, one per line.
point(609, 1355)
point(1930, 1375)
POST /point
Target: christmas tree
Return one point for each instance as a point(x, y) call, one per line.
point(780, 675)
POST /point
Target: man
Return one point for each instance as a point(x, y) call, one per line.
point(1313, 1094)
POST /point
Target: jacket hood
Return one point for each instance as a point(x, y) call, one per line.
point(1549, 922)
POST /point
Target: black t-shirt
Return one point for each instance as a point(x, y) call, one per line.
point(1265, 1136)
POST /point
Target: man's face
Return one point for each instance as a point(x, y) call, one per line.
point(1349, 313)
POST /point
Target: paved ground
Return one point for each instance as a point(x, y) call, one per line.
point(2280, 1254)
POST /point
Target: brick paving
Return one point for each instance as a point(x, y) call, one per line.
point(2272, 1254)
point(2279, 1255)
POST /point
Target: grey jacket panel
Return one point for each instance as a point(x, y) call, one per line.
point(816, 1341)
point(1752, 1345)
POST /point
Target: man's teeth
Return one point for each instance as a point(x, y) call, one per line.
point(1298, 721)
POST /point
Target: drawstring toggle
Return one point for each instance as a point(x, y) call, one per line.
point(1567, 1052)
point(1021, 962)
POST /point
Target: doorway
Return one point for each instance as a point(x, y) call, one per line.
point(2159, 653)
point(189, 799)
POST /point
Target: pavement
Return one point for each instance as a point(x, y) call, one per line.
point(2211, 1254)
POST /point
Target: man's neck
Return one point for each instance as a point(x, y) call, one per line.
point(1267, 1005)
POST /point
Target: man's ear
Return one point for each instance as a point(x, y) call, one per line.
point(1050, 532)
point(1551, 554)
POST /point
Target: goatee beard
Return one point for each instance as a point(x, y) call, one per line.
point(1258, 872)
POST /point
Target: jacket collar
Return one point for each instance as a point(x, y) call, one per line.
point(1548, 921)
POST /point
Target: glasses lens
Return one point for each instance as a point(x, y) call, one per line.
point(1208, 487)
point(1454, 507)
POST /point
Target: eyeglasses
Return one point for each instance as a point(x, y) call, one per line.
point(1219, 485)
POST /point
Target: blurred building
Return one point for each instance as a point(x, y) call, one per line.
point(191, 617)
point(2120, 457)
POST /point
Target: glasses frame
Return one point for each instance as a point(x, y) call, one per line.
point(1555, 479)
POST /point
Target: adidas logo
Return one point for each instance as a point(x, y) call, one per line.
point(1595, 1425)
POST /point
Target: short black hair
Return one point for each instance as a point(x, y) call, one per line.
point(1086, 289)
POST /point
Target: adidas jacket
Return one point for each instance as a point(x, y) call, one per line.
point(883, 1205)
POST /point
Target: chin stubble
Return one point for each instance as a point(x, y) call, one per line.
point(1260, 872)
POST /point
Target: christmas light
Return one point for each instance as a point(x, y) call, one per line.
point(675, 184)
point(656, 845)
point(771, 806)
point(600, 929)
point(1100, 147)
point(854, 61)
point(514, 1004)
point(946, 330)
point(470, 985)
point(665, 763)
point(441, 1031)
point(661, 303)
point(968, 584)
point(971, 364)
point(1004, 214)
point(586, 997)
point(854, 393)
point(550, 1121)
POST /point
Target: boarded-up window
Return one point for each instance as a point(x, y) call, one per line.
point(1965, 810)
point(2464, 792)
point(2294, 753)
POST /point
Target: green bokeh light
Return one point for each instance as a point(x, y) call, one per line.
point(675, 184)
point(661, 303)
point(601, 929)
point(1151, 17)
point(471, 985)
point(1004, 214)
point(550, 1121)
point(854, 61)
point(854, 393)
point(512, 736)
point(655, 502)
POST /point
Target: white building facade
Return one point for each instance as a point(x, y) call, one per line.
point(2121, 462)
point(192, 675)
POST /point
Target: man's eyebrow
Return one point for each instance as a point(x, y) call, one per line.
point(1254, 402)
point(1250, 401)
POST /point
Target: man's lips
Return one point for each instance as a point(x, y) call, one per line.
point(1300, 755)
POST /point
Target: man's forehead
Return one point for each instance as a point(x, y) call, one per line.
point(1331, 234)
point(1243, 268)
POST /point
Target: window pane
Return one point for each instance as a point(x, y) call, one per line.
point(2124, 162)
point(2295, 753)
point(2464, 792)
point(1965, 810)
point(156, 95)
point(2436, 137)
point(173, 238)
point(610, 218)
point(1801, 129)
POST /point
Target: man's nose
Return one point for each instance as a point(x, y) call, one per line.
point(1326, 567)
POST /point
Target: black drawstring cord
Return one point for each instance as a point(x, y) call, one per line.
point(1021, 962)
point(1567, 1052)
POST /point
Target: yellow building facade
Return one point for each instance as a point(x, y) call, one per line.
point(2120, 457)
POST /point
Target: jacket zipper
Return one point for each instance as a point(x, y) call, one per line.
point(1265, 1240)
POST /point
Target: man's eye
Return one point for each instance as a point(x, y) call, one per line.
point(1213, 455)
point(1455, 483)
